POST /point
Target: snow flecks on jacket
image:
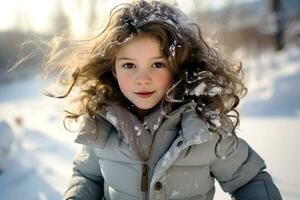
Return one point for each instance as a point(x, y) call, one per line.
point(112, 119)
point(198, 137)
point(139, 131)
point(156, 126)
point(216, 122)
point(174, 193)
point(157, 197)
point(145, 124)
point(214, 118)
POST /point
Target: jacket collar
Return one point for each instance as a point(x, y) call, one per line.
point(96, 132)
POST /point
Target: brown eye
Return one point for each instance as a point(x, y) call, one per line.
point(158, 65)
point(128, 65)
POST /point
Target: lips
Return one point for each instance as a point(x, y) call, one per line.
point(144, 94)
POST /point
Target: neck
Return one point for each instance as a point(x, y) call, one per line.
point(141, 113)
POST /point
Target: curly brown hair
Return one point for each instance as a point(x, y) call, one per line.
point(200, 74)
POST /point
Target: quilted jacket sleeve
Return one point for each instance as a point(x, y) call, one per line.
point(239, 167)
point(86, 182)
point(241, 173)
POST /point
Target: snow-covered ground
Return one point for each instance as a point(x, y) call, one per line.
point(40, 162)
point(273, 81)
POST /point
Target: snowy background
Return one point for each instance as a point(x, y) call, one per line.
point(39, 163)
point(36, 152)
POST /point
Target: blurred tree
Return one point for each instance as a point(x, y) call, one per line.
point(276, 6)
point(92, 17)
point(60, 22)
point(22, 23)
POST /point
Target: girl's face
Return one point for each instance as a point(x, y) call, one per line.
point(143, 72)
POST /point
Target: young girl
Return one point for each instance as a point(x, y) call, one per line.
point(158, 106)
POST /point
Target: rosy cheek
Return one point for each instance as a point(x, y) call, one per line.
point(123, 83)
point(164, 80)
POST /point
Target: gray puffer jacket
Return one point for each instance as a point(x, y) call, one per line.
point(182, 164)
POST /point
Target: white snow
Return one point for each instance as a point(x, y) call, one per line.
point(172, 49)
point(199, 90)
point(214, 91)
point(40, 162)
point(216, 122)
point(264, 70)
point(174, 193)
point(6, 140)
point(111, 118)
point(155, 126)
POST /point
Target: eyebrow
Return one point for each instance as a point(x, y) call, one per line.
point(127, 58)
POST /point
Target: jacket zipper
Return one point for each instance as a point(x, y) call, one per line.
point(145, 166)
point(154, 143)
point(144, 180)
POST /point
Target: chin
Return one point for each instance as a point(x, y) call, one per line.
point(144, 107)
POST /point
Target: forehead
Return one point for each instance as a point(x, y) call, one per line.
point(141, 45)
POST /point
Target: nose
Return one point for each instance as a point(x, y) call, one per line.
point(143, 78)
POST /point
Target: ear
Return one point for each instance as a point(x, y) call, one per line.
point(113, 71)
